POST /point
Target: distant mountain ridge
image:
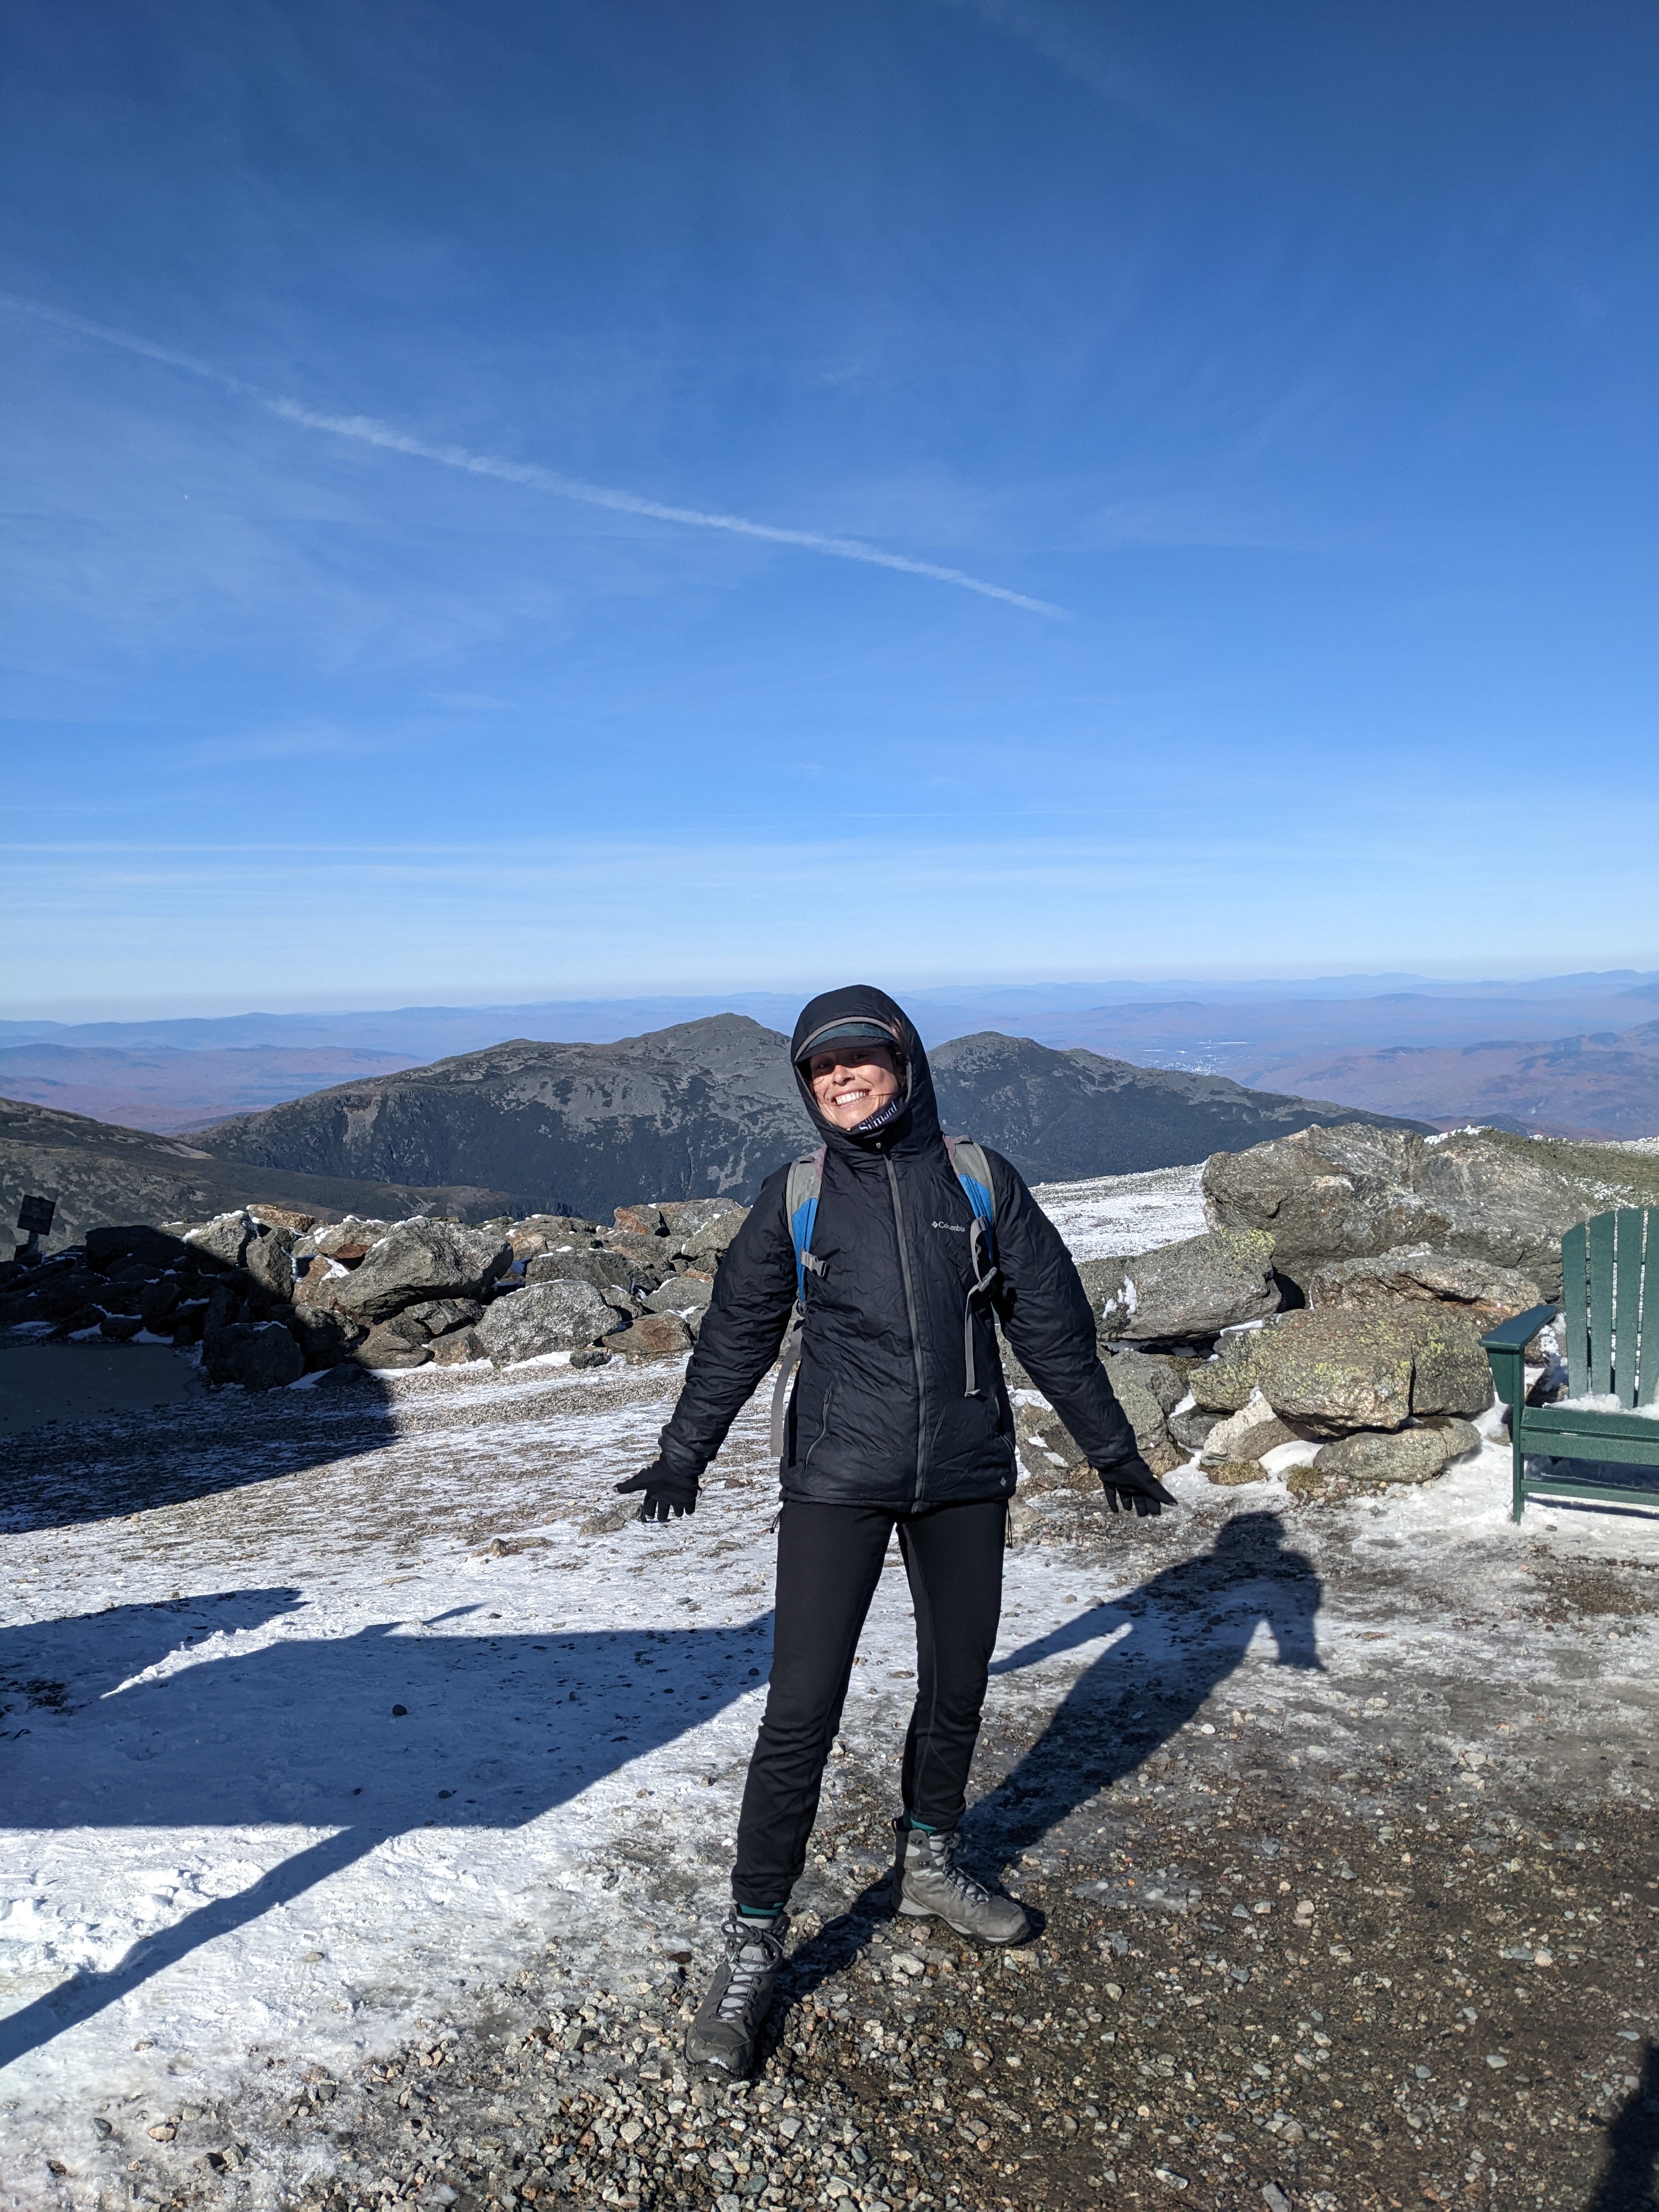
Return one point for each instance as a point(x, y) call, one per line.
point(710, 1106)
point(100, 1173)
point(1280, 1036)
point(170, 1089)
point(1602, 1084)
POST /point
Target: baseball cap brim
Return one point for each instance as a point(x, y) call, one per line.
point(855, 1029)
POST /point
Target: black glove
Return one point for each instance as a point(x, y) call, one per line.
point(667, 1495)
point(1132, 1487)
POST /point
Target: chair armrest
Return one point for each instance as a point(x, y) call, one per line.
point(1514, 1335)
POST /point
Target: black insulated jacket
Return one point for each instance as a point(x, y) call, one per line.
point(881, 1414)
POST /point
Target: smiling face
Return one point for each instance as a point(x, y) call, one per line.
point(851, 1081)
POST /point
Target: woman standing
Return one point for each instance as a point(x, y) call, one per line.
point(893, 1425)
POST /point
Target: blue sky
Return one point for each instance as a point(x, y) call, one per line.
point(378, 377)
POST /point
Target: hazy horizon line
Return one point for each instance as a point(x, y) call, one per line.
point(79, 1013)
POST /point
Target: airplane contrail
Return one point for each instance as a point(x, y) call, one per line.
point(368, 431)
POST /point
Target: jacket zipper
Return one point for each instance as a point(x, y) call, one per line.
point(916, 1334)
point(823, 1426)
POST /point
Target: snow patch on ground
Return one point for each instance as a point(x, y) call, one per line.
point(1121, 1215)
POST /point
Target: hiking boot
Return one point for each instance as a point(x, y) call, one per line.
point(722, 2037)
point(932, 1885)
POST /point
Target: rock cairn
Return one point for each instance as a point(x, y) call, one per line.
point(270, 1294)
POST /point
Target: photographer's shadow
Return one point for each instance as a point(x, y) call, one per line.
point(159, 1716)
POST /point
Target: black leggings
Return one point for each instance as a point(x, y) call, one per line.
point(828, 1564)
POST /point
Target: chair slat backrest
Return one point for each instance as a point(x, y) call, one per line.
point(1601, 1228)
point(1644, 1365)
point(1574, 1318)
point(1629, 1222)
point(1607, 1266)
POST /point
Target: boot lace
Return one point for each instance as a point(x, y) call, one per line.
point(752, 1955)
point(942, 1855)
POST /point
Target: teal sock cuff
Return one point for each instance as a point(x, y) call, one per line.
point(759, 1911)
point(920, 1827)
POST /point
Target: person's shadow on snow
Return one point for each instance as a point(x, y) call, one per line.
point(160, 1715)
point(1174, 1640)
point(116, 1463)
point(1187, 1629)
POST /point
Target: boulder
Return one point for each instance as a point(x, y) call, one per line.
point(458, 1347)
point(1149, 1389)
point(1334, 1369)
point(682, 1295)
point(158, 1302)
point(1190, 1427)
point(1195, 1288)
point(1330, 1372)
point(283, 1217)
point(1482, 1291)
point(225, 1238)
point(260, 1356)
point(1165, 1378)
point(416, 1260)
point(437, 1316)
point(1451, 1373)
point(1247, 1435)
point(611, 1273)
point(653, 1336)
point(1354, 1192)
point(557, 1316)
point(546, 1233)
point(324, 1336)
point(641, 1220)
point(120, 1329)
point(702, 1227)
point(314, 1281)
point(1409, 1455)
point(267, 1259)
point(1049, 1455)
point(107, 1249)
point(389, 1346)
point(347, 1240)
point(648, 1258)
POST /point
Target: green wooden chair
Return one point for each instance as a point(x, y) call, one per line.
point(1610, 1299)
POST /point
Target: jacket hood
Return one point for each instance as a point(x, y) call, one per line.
point(916, 1124)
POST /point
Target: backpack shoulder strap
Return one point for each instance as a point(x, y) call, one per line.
point(801, 1192)
point(972, 1172)
point(800, 1206)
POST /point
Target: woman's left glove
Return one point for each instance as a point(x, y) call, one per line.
point(1132, 1487)
point(667, 1495)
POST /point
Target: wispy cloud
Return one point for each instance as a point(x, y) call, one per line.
point(367, 430)
point(314, 741)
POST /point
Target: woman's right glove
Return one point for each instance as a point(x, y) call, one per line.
point(1132, 1487)
point(667, 1495)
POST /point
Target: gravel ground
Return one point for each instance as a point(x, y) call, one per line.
point(1342, 1833)
point(1388, 1993)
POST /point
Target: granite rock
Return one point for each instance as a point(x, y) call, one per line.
point(1482, 1292)
point(416, 1260)
point(1416, 1453)
point(1194, 1288)
point(557, 1316)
